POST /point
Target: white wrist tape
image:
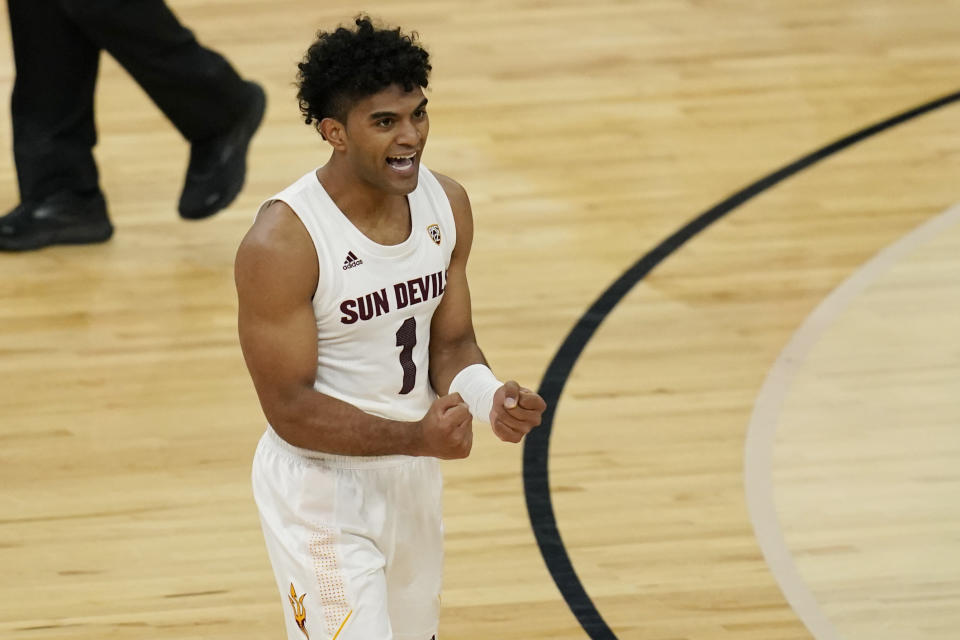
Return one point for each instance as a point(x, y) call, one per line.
point(476, 384)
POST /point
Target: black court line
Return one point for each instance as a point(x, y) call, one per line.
point(536, 481)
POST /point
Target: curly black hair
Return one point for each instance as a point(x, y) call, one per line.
point(344, 66)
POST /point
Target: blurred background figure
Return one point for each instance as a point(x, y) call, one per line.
point(56, 45)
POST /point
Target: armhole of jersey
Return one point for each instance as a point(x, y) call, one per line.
point(263, 207)
point(281, 197)
point(447, 210)
point(453, 224)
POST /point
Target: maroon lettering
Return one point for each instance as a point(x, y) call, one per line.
point(380, 301)
point(412, 284)
point(405, 294)
point(400, 292)
point(366, 307)
point(349, 315)
point(424, 284)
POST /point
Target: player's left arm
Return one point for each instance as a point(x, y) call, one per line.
point(453, 343)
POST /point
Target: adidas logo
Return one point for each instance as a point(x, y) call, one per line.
point(351, 261)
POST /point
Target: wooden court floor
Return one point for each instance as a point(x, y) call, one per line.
point(586, 134)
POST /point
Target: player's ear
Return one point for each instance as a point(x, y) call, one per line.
point(334, 132)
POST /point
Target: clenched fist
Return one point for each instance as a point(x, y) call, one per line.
point(516, 411)
point(447, 429)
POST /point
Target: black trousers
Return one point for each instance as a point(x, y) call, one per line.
point(56, 46)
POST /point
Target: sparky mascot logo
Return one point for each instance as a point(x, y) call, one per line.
point(299, 613)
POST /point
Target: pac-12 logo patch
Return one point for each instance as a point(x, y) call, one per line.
point(434, 232)
point(299, 612)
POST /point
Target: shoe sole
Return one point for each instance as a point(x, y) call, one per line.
point(234, 188)
point(76, 235)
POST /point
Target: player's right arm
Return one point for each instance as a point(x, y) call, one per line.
point(276, 275)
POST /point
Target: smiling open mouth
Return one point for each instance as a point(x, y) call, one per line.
point(401, 163)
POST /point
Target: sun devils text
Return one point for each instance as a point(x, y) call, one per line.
point(387, 299)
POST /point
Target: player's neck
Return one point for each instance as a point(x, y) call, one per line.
point(358, 200)
point(383, 217)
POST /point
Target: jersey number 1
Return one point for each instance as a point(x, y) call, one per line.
point(407, 338)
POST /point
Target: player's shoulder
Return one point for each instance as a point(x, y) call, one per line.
point(276, 262)
point(456, 194)
point(277, 236)
point(276, 225)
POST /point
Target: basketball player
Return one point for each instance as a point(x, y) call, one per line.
point(354, 316)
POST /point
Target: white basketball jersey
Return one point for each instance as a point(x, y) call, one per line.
point(373, 302)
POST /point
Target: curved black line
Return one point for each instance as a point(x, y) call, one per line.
point(536, 480)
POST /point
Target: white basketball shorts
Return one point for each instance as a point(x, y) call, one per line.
point(356, 543)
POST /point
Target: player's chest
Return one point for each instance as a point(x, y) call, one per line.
point(371, 289)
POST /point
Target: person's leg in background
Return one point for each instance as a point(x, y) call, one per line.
point(196, 88)
point(53, 131)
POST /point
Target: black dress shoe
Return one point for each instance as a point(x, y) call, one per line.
point(218, 166)
point(62, 218)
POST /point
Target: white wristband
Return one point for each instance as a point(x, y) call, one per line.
point(476, 384)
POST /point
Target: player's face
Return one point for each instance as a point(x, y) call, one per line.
point(385, 135)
